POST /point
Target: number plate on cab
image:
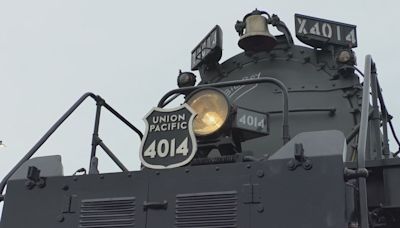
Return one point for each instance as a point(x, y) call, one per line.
point(169, 140)
point(318, 32)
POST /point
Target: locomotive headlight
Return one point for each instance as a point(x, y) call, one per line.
point(346, 56)
point(212, 110)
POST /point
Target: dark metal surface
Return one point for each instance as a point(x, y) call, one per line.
point(225, 195)
point(108, 212)
point(317, 100)
point(316, 143)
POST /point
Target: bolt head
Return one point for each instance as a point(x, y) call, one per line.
point(307, 165)
point(29, 184)
point(291, 164)
point(260, 208)
point(42, 183)
point(260, 173)
point(60, 218)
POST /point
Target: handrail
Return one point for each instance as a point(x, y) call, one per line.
point(97, 141)
point(285, 121)
point(362, 142)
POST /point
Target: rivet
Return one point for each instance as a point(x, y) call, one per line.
point(307, 59)
point(321, 66)
point(289, 56)
point(307, 165)
point(65, 187)
point(291, 164)
point(217, 168)
point(158, 173)
point(255, 59)
point(187, 170)
point(75, 178)
point(260, 173)
point(260, 208)
point(41, 183)
point(29, 184)
point(248, 166)
point(60, 218)
point(101, 176)
point(129, 174)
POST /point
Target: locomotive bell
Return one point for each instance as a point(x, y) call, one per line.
point(256, 36)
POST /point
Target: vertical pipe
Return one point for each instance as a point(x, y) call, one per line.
point(376, 123)
point(362, 142)
point(95, 135)
point(385, 121)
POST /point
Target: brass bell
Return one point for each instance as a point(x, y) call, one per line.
point(256, 36)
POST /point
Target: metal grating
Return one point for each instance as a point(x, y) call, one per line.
point(108, 212)
point(206, 210)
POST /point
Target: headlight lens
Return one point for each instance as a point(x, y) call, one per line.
point(212, 110)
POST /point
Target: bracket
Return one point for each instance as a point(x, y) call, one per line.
point(299, 159)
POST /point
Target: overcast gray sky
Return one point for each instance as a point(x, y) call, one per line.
point(129, 52)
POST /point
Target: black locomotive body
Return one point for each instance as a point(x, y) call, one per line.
point(284, 136)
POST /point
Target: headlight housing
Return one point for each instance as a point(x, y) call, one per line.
point(212, 108)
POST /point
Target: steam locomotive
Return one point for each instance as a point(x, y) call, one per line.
point(280, 135)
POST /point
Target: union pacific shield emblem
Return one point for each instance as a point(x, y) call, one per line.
point(169, 140)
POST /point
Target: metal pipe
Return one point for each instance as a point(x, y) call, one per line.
point(285, 121)
point(356, 129)
point(330, 110)
point(120, 117)
point(43, 139)
point(385, 120)
point(171, 99)
point(95, 132)
point(362, 143)
point(376, 123)
point(112, 156)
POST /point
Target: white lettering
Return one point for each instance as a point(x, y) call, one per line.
point(339, 37)
point(315, 29)
point(351, 37)
point(302, 26)
point(165, 148)
point(326, 30)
